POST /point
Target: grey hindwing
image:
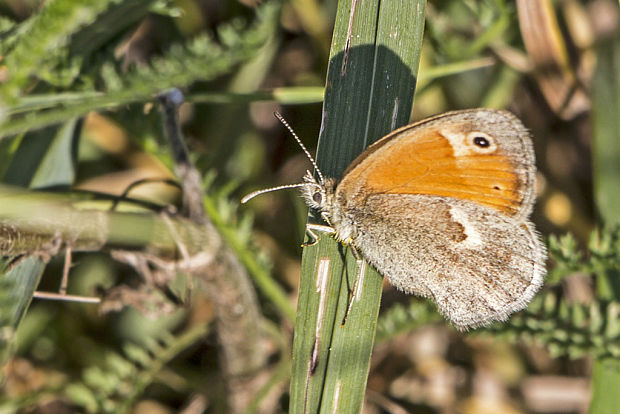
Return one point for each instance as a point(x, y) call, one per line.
point(475, 263)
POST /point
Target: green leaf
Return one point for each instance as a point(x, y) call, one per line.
point(81, 395)
point(16, 289)
point(46, 158)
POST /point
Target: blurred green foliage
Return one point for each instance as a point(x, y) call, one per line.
point(77, 88)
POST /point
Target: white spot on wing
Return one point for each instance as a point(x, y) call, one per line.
point(474, 239)
point(457, 142)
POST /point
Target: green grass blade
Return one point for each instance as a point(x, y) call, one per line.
point(16, 290)
point(606, 125)
point(45, 158)
point(605, 385)
point(606, 163)
point(370, 84)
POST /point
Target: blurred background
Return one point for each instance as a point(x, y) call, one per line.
point(541, 60)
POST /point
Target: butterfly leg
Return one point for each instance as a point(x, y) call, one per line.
point(356, 291)
point(312, 235)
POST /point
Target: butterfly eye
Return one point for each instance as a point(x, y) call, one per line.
point(317, 197)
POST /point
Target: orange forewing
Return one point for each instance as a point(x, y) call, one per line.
point(410, 161)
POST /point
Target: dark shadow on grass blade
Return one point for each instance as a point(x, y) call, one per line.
point(379, 102)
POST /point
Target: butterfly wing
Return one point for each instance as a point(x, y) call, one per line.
point(480, 155)
point(441, 209)
point(476, 263)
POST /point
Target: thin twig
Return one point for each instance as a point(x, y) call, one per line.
point(227, 285)
point(65, 272)
point(66, 298)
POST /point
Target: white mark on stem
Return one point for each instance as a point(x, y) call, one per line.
point(322, 278)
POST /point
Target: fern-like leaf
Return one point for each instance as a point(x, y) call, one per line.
point(202, 59)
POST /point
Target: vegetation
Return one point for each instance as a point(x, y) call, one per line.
point(108, 179)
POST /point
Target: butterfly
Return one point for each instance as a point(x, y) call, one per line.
point(441, 209)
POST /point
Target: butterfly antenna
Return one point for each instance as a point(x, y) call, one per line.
point(303, 147)
point(268, 190)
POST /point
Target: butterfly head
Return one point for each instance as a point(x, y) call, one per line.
point(322, 198)
point(316, 193)
point(319, 194)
